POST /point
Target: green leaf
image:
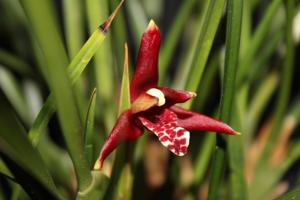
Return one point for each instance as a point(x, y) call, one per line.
point(172, 36)
point(119, 35)
point(5, 171)
point(13, 92)
point(15, 63)
point(120, 175)
point(21, 158)
point(69, 118)
point(259, 101)
point(286, 79)
point(262, 186)
point(103, 62)
point(44, 25)
point(294, 194)
point(203, 158)
point(96, 189)
point(258, 37)
point(57, 158)
point(138, 20)
point(212, 18)
point(124, 102)
point(98, 10)
point(233, 34)
point(74, 26)
point(89, 128)
point(50, 42)
point(75, 69)
point(211, 73)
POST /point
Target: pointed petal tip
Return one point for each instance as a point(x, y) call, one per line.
point(237, 133)
point(152, 25)
point(98, 165)
point(193, 94)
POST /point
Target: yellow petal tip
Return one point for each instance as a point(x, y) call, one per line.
point(151, 25)
point(237, 133)
point(193, 94)
point(97, 165)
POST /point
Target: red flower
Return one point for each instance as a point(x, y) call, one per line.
point(153, 107)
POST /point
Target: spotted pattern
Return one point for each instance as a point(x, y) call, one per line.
point(166, 128)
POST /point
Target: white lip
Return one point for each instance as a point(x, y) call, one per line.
point(158, 94)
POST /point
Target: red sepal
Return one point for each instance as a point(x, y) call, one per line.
point(176, 96)
point(125, 129)
point(146, 75)
point(195, 121)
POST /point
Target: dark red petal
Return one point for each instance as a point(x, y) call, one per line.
point(124, 129)
point(164, 125)
point(176, 96)
point(146, 75)
point(195, 121)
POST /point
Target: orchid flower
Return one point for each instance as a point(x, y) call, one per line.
point(153, 107)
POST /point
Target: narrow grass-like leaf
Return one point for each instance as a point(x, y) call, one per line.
point(89, 129)
point(74, 29)
point(285, 86)
point(260, 187)
point(294, 194)
point(56, 158)
point(124, 102)
point(207, 82)
point(295, 109)
point(258, 37)
point(98, 10)
point(4, 171)
point(259, 102)
point(21, 158)
point(138, 20)
point(48, 37)
point(246, 28)
point(118, 168)
point(172, 37)
point(44, 24)
point(103, 65)
point(126, 179)
point(75, 68)
point(209, 27)
point(260, 63)
point(15, 63)
point(13, 92)
point(119, 35)
point(233, 33)
point(96, 189)
point(60, 85)
point(203, 158)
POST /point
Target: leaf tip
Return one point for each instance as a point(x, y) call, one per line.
point(103, 27)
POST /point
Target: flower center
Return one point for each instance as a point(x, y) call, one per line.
point(158, 94)
point(152, 97)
